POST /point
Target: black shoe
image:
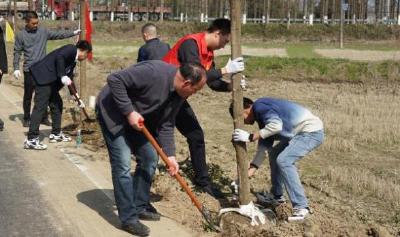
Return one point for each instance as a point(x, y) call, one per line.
point(151, 208)
point(136, 228)
point(46, 122)
point(213, 191)
point(149, 216)
point(26, 123)
point(1, 125)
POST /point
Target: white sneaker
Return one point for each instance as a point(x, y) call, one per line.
point(34, 144)
point(299, 214)
point(61, 137)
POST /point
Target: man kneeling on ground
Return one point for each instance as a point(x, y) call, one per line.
point(288, 132)
point(150, 92)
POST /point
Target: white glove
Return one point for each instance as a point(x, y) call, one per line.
point(174, 168)
point(240, 135)
point(17, 74)
point(81, 104)
point(243, 83)
point(76, 32)
point(66, 80)
point(235, 66)
point(235, 187)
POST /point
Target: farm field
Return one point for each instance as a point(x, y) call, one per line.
point(352, 180)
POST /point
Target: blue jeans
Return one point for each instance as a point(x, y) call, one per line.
point(132, 193)
point(282, 160)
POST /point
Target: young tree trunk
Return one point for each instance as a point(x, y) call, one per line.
point(333, 11)
point(341, 25)
point(237, 96)
point(288, 14)
point(305, 10)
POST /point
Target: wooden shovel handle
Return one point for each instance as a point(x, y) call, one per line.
point(75, 94)
point(178, 177)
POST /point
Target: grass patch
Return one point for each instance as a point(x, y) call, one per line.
point(301, 51)
point(317, 69)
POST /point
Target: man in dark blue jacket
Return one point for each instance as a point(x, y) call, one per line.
point(154, 49)
point(50, 75)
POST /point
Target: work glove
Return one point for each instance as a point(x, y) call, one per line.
point(234, 66)
point(174, 168)
point(66, 80)
point(235, 187)
point(240, 135)
point(76, 32)
point(243, 83)
point(81, 104)
point(17, 74)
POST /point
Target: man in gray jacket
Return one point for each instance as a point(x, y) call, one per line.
point(149, 93)
point(32, 41)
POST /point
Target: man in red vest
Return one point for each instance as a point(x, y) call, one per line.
point(199, 48)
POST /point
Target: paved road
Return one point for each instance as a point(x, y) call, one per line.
point(62, 191)
point(23, 210)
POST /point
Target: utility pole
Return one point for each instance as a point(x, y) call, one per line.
point(341, 22)
point(237, 96)
point(162, 11)
point(82, 68)
point(15, 16)
point(30, 5)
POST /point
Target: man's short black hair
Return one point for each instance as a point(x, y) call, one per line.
point(247, 103)
point(31, 15)
point(147, 25)
point(84, 45)
point(193, 72)
point(221, 24)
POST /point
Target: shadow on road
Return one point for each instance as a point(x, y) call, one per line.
point(14, 117)
point(97, 200)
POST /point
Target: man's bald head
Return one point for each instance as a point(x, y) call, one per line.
point(149, 31)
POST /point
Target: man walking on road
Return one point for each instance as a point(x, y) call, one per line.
point(50, 75)
point(200, 48)
point(32, 41)
point(154, 48)
point(288, 132)
point(148, 93)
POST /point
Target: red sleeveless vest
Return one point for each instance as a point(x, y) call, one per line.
point(206, 55)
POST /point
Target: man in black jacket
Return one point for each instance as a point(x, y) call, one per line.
point(3, 64)
point(154, 49)
point(50, 75)
point(200, 48)
point(150, 92)
point(31, 42)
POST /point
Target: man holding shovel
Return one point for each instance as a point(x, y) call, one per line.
point(200, 48)
point(288, 132)
point(50, 75)
point(149, 93)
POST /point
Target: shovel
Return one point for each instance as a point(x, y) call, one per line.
point(77, 99)
point(204, 212)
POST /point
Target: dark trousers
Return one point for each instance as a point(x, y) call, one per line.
point(1, 121)
point(29, 88)
point(46, 96)
point(132, 193)
point(188, 125)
